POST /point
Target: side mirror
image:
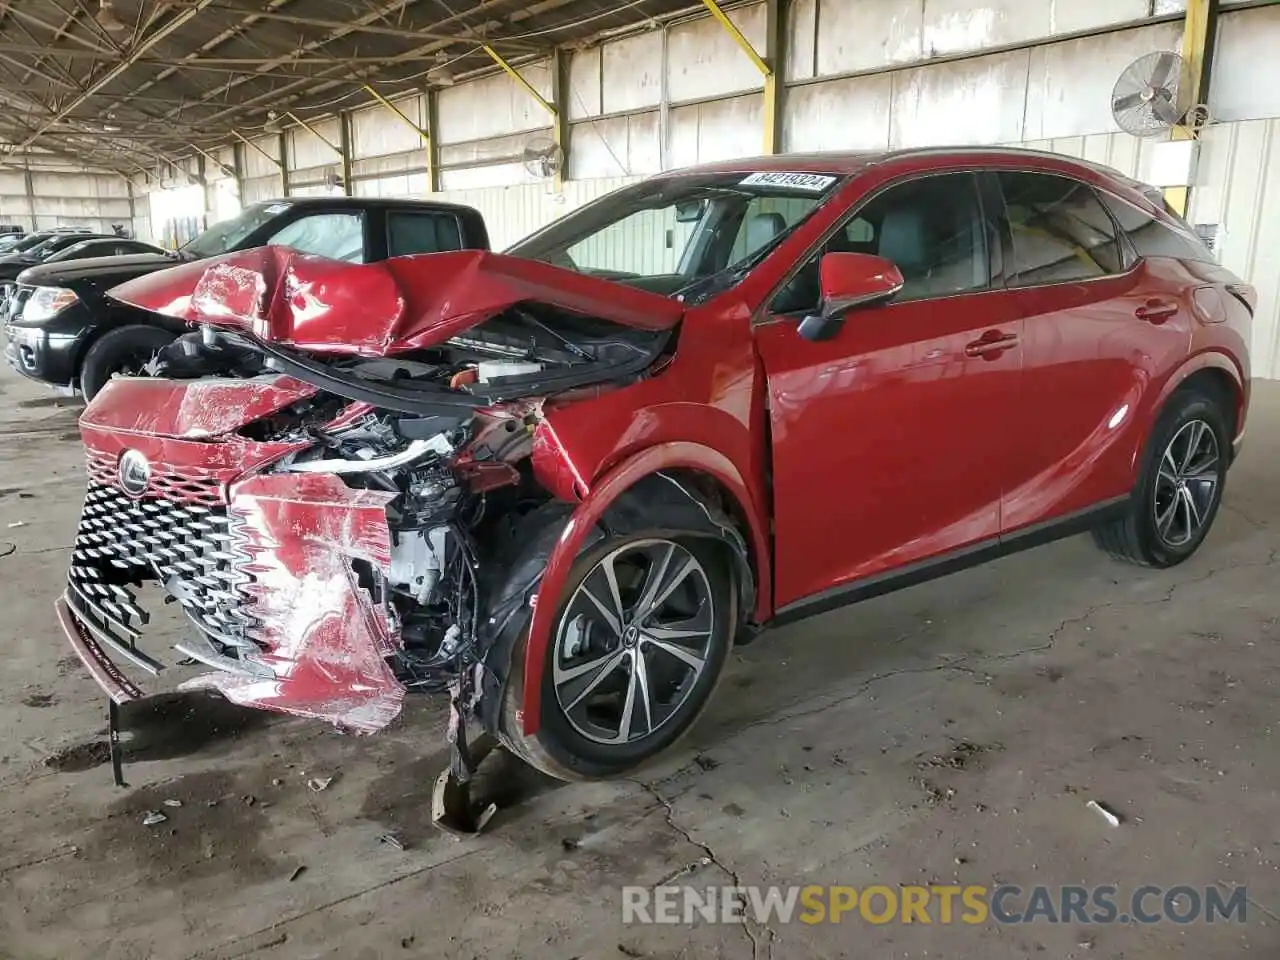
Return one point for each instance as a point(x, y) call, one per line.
point(849, 280)
point(690, 211)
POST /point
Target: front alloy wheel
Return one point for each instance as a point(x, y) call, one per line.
point(633, 641)
point(638, 645)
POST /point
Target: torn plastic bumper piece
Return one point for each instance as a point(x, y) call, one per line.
point(311, 642)
point(118, 687)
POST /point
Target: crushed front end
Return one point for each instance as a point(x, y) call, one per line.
point(262, 561)
point(337, 526)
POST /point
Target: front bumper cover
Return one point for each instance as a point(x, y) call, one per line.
point(268, 585)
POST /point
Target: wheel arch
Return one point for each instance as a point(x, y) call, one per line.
point(1214, 373)
point(708, 482)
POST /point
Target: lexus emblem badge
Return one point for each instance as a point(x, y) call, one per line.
point(135, 473)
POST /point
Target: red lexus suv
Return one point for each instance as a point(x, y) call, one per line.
point(561, 482)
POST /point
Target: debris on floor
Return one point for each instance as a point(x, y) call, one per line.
point(1112, 819)
point(319, 783)
point(688, 868)
point(153, 818)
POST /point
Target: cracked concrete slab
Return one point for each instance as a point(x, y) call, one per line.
point(951, 733)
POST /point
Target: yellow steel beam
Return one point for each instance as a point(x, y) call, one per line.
point(398, 112)
point(1197, 40)
point(733, 31)
point(230, 171)
point(515, 75)
point(422, 132)
point(767, 68)
point(249, 143)
point(316, 133)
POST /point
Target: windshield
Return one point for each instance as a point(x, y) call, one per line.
point(83, 249)
point(227, 235)
point(44, 247)
point(686, 236)
point(27, 242)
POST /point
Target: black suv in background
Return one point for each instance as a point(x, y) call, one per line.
point(22, 256)
point(64, 328)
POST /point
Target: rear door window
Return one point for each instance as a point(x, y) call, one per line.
point(1061, 231)
point(338, 236)
point(410, 232)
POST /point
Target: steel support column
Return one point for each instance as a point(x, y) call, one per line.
point(1198, 33)
point(29, 186)
point(284, 163)
point(433, 153)
point(344, 135)
point(775, 55)
point(560, 119)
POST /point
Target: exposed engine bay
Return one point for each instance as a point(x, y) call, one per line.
point(447, 433)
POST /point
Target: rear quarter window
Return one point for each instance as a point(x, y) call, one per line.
point(410, 232)
point(1151, 237)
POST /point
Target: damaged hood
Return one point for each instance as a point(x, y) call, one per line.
point(313, 303)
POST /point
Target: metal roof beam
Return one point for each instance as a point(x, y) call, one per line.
point(139, 48)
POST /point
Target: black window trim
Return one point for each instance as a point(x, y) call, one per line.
point(419, 211)
point(763, 314)
point(1123, 246)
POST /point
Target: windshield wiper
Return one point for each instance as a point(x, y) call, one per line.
point(713, 283)
point(569, 345)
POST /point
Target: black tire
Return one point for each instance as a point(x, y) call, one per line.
point(559, 749)
point(1136, 537)
point(119, 351)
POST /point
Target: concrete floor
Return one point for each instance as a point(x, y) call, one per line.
point(949, 733)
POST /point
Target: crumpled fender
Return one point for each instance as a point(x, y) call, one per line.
point(588, 522)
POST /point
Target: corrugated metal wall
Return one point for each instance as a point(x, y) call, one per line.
point(1240, 177)
point(46, 198)
point(514, 212)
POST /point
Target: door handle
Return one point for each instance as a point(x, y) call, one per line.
point(1156, 311)
point(990, 344)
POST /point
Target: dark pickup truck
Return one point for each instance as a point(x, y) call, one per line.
point(63, 328)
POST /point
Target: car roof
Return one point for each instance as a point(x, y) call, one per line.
point(845, 163)
point(365, 203)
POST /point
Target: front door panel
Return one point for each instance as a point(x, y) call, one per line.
point(889, 440)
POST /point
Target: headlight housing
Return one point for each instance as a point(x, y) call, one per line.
point(47, 302)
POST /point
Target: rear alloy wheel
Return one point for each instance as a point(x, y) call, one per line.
point(1187, 480)
point(1180, 489)
point(635, 654)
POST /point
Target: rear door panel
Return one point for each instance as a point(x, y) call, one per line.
point(1090, 361)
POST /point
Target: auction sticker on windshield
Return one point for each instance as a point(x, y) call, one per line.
point(812, 182)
